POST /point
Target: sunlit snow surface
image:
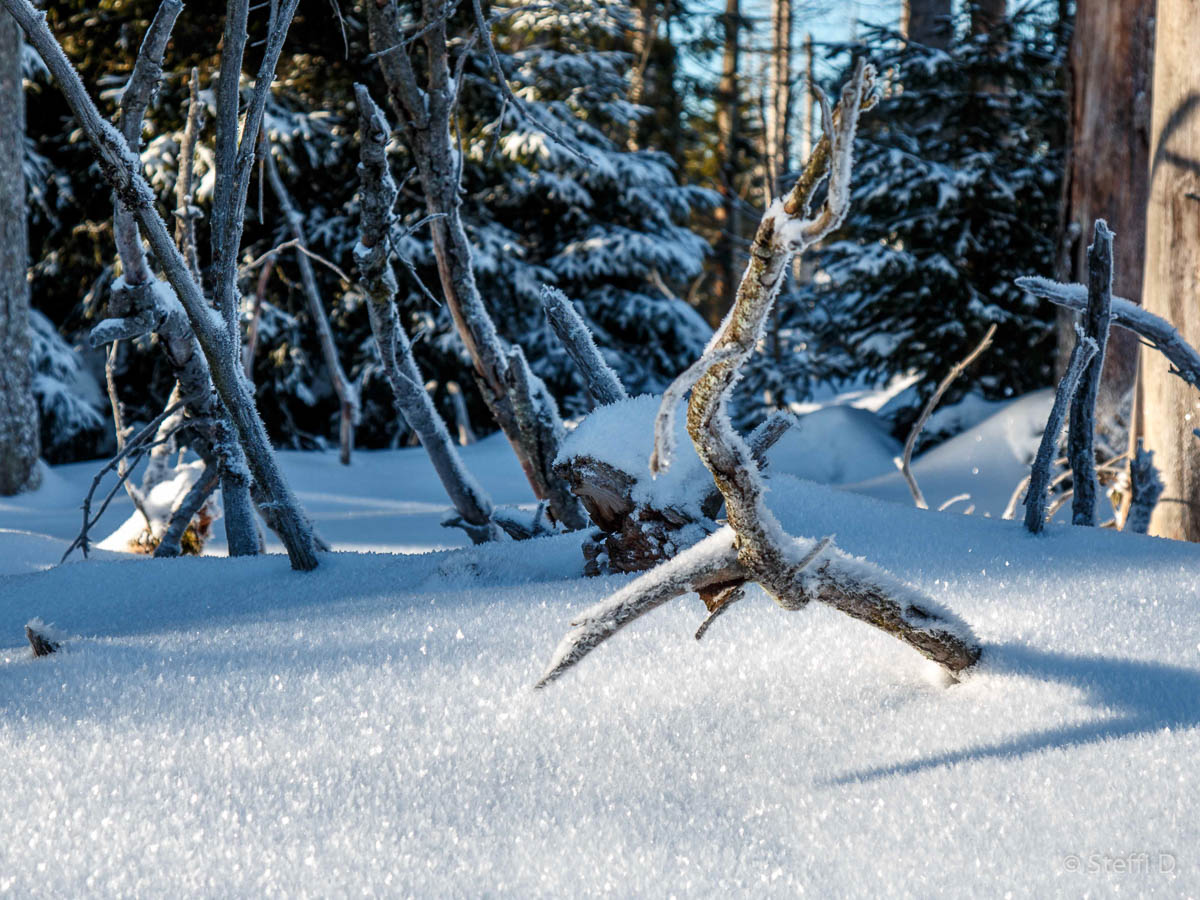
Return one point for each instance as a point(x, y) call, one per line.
point(231, 728)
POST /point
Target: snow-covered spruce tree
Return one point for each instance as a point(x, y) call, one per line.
point(753, 547)
point(18, 411)
point(956, 192)
point(605, 224)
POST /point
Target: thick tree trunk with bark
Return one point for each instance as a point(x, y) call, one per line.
point(18, 411)
point(927, 22)
point(1111, 61)
point(1171, 286)
point(987, 14)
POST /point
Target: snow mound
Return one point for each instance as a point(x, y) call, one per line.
point(835, 445)
point(987, 461)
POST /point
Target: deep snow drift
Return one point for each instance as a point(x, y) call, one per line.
point(231, 727)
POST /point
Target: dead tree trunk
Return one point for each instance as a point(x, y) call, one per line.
point(728, 216)
point(121, 168)
point(927, 22)
point(19, 447)
point(425, 108)
point(779, 98)
point(754, 547)
point(1171, 283)
point(1110, 66)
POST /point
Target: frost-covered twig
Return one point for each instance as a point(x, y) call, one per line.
point(236, 147)
point(1155, 330)
point(347, 393)
point(186, 212)
point(1145, 487)
point(1081, 433)
point(1039, 475)
point(930, 405)
point(136, 447)
point(599, 378)
point(1018, 494)
point(139, 90)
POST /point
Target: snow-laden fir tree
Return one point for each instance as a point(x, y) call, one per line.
point(956, 192)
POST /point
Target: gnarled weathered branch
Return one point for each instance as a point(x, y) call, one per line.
point(754, 546)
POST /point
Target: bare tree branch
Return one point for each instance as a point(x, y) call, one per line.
point(346, 392)
point(122, 169)
point(599, 378)
point(372, 256)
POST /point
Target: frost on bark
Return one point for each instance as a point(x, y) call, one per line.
point(347, 393)
point(601, 381)
point(19, 446)
point(1081, 436)
point(1040, 475)
point(1145, 487)
point(754, 546)
point(121, 169)
point(424, 105)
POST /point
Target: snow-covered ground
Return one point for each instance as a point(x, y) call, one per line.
point(228, 727)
